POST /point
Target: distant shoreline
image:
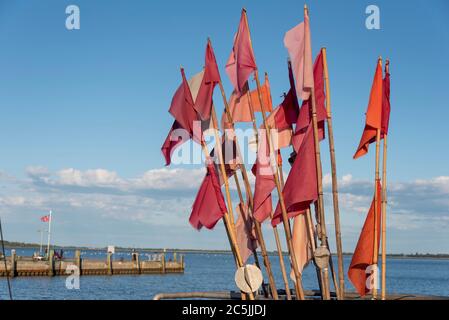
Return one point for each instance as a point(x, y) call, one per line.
point(22, 245)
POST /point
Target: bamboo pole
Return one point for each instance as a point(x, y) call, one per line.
point(231, 239)
point(312, 240)
point(384, 207)
point(323, 239)
point(251, 205)
point(258, 227)
point(298, 282)
point(275, 229)
point(226, 220)
point(330, 130)
point(384, 218)
point(254, 251)
point(226, 183)
point(377, 177)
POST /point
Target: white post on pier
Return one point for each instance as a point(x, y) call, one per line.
point(49, 234)
point(42, 240)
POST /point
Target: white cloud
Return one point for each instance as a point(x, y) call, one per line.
point(163, 198)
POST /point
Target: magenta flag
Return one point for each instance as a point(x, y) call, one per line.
point(241, 62)
point(300, 189)
point(298, 43)
point(209, 206)
point(305, 113)
point(203, 102)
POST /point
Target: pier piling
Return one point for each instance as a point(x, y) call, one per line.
point(109, 263)
point(13, 270)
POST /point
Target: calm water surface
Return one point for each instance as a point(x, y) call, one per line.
point(212, 272)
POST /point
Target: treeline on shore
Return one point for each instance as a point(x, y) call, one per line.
point(18, 245)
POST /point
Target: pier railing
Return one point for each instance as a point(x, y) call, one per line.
point(29, 266)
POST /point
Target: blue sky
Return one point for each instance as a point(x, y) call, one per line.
point(84, 113)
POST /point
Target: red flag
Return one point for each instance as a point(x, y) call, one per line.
point(182, 107)
point(373, 120)
point(230, 157)
point(209, 206)
point(386, 107)
point(244, 228)
point(175, 138)
point(364, 252)
point(203, 102)
point(300, 189)
point(45, 218)
point(305, 113)
point(265, 183)
point(179, 134)
point(288, 111)
point(241, 62)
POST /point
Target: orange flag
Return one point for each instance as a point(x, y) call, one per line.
point(301, 244)
point(363, 254)
point(240, 108)
point(373, 114)
point(244, 228)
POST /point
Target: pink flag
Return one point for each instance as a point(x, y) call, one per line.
point(45, 218)
point(180, 133)
point(300, 189)
point(182, 106)
point(244, 228)
point(241, 62)
point(265, 183)
point(203, 102)
point(280, 136)
point(209, 206)
point(305, 113)
point(298, 43)
point(173, 141)
point(239, 104)
point(301, 244)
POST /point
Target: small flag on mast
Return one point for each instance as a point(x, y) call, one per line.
point(241, 62)
point(45, 218)
point(298, 43)
point(373, 120)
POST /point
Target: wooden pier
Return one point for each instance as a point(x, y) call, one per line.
point(26, 266)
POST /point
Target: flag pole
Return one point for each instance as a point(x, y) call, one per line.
point(312, 240)
point(384, 206)
point(258, 227)
point(42, 240)
point(288, 235)
point(323, 234)
point(275, 230)
point(330, 130)
point(254, 250)
point(49, 235)
point(226, 220)
point(377, 178)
